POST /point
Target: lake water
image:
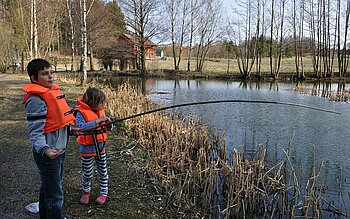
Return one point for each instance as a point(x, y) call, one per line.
point(318, 136)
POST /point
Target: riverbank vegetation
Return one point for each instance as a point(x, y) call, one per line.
point(202, 178)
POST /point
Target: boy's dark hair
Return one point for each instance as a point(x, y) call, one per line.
point(35, 66)
point(94, 97)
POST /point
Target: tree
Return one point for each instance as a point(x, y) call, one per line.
point(247, 37)
point(277, 34)
point(84, 43)
point(298, 32)
point(69, 5)
point(143, 18)
point(208, 29)
point(179, 21)
point(33, 31)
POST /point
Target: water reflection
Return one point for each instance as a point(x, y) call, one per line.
point(333, 91)
point(338, 91)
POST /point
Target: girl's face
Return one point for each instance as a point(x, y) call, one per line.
point(98, 107)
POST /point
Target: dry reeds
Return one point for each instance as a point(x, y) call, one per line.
point(194, 165)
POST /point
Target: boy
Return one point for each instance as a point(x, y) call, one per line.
point(49, 118)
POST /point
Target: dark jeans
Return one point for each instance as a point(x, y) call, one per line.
point(51, 193)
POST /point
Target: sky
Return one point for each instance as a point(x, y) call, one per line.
point(227, 5)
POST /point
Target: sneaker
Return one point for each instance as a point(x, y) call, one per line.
point(85, 198)
point(101, 199)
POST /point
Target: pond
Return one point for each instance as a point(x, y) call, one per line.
point(314, 137)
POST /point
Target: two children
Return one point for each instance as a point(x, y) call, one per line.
point(50, 121)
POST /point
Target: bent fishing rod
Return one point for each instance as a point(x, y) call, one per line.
point(93, 130)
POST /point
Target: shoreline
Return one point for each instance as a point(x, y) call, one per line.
point(170, 74)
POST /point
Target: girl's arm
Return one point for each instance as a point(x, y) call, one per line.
point(81, 123)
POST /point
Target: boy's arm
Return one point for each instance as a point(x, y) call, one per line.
point(36, 111)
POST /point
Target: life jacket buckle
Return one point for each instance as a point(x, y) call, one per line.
point(61, 96)
point(69, 112)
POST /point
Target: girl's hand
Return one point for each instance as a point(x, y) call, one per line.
point(102, 119)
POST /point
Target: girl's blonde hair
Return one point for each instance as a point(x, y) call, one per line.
point(94, 97)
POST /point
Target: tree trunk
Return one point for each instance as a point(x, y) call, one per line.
point(84, 43)
point(71, 24)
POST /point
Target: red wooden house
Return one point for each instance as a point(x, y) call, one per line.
point(128, 49)
point(130, 42)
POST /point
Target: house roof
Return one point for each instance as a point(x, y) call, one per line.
point(132, 37)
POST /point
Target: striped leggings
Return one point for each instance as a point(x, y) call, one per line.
point(88, 172)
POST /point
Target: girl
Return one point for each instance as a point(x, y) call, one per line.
point(91, 113)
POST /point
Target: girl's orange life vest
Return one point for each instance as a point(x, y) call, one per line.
point(89, 116)
point(59, 114)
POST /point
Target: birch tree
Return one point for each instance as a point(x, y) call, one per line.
point(84, 40)
point(33, 51)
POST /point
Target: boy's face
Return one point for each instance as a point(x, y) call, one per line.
point(45, 78)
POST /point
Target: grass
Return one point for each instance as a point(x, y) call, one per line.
point(220, 66)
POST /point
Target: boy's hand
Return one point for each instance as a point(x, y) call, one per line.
point(53, 154)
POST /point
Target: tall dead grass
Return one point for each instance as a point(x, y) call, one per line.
point(194, 165)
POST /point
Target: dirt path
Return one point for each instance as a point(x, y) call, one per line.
point(132, 194)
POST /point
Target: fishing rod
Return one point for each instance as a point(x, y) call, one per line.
point(93, 130)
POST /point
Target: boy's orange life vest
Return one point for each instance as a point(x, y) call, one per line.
point(89, 116)
point(59, 114)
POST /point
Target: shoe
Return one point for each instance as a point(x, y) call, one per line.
point(85, 198)
point(101, 199)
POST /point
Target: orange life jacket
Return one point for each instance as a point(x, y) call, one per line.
point(59, 114)
point(89, 116)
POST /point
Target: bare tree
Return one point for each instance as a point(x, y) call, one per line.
point(69, 5)
point(143, 18)
point(247, 36)
point(277, 36)
point(343, 56)
point(33, 31)
point(208, 29)
point(84, 44)
point(298, 15)
point(193, 15)
point(179, 22)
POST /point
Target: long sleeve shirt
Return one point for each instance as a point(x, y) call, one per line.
point(36, 110)
point(87, 150)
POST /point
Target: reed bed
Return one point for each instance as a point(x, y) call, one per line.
point(200, 175)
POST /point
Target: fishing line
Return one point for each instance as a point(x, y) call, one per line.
point(91, 130)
